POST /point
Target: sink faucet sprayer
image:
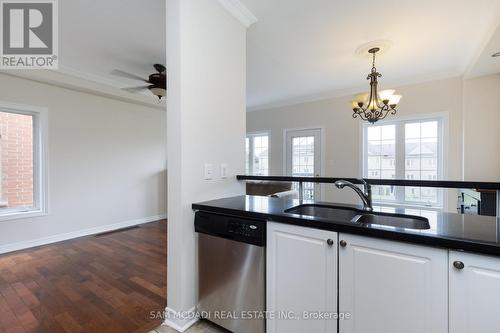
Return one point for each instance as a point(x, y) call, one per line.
point(365, 194)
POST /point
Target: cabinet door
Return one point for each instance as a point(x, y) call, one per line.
point(392, 287)
point(301, 277)
point(474, 293)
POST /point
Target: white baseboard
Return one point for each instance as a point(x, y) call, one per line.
point(75, 234)
point(174, 320)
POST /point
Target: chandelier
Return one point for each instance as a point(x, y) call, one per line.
point(375, 105)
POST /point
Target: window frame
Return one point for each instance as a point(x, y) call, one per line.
point(400, 157)
point(40, 161)
point(251, 136)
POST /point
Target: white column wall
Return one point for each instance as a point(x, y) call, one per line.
point(206, 119)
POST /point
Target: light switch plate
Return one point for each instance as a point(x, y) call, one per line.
point(223, 170)
point(208, 171)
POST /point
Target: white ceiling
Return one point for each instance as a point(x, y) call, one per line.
point(299, 49)
point(97, 36)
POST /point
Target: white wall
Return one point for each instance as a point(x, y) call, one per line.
point(342, 133)
point(107, 163)
point(206, 124)
point(482, 129)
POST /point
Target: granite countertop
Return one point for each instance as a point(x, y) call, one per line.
point(472, 233)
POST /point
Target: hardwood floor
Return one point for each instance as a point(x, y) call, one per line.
point(107, 283)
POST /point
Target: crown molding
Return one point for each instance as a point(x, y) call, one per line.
point(492, 32)
point(347, 92)
point(239, 11)
point(69, 78)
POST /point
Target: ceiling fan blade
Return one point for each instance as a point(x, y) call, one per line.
point(118, 72)
point(135, 89)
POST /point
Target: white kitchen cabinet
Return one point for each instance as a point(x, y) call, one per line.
point(474, 293)
point(392, 287)
point(301, 277)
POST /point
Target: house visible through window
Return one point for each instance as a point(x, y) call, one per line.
point(21, 181)
point(410, 150)
point(257, 154)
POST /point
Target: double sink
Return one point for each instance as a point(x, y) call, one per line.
point(353, 215)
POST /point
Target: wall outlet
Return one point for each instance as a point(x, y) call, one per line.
point(208, 171)
point(223, 170)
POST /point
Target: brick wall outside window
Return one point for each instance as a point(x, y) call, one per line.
point(16, 154)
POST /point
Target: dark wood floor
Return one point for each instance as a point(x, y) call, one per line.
point(107, 283)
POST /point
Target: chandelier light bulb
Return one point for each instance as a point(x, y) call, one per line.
point(394, 99)
point(385, 95)
point(373, 105)
point(361, 98)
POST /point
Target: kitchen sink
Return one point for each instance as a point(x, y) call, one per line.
point(324, 211)
point(347, 214)
point(393, 220)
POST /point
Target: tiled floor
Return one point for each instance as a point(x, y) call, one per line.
point(202, 326)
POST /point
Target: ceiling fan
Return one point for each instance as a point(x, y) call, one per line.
point(156, 82)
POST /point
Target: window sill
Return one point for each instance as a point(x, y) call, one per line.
point(22, 215)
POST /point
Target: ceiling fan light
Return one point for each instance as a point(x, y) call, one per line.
point(159, 92)
point(385, 95)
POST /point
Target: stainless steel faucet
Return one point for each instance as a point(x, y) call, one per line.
point(365, 194)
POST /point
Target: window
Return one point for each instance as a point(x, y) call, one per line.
point(380, 158)
point(303, 158)
point(257, 154)
point(410, 149)
point(22, 182)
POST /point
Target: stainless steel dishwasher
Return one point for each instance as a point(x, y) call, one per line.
point(231, 271)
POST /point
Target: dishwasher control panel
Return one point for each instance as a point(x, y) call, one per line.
point(244, 230)
point(239, 227)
